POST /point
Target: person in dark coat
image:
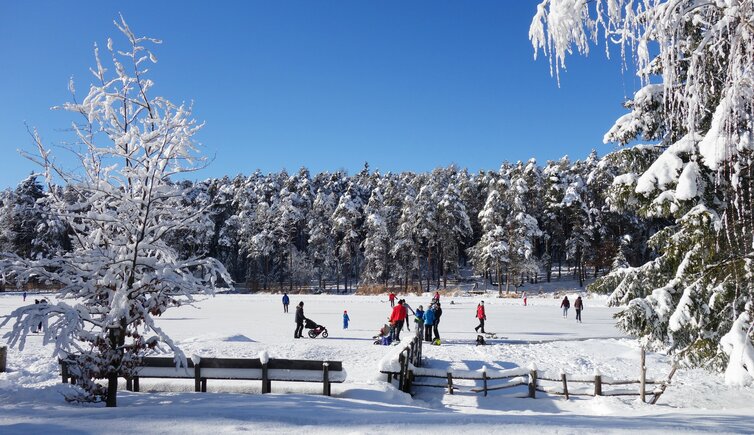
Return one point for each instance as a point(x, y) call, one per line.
point(286, 301)
point(565, 305)
point(299, 332)
point(419, 319)
point(578, 305)
point(438, 314)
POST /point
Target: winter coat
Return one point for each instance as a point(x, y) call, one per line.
point(300, 315)
point(286, 300)
point(391, 297)
point(346, 318)
point(579, 305)
point(480, 312)
point(399, 313)
point(566, 303)
point(438, 314)
point(419, 316)
point(429, 317)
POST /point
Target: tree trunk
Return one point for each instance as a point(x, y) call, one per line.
point(117, 339)
point(290, 269)
point(499, 280)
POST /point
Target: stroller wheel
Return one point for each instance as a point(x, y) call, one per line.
point(312, 334)
point(324, 333)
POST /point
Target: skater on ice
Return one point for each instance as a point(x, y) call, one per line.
point(523, 296)
point(578, 305)
point(482, 316)
point(438, 314)
point(346, 319)
point(419, 319)
point(565, 305)
point(391, 298)
point(286, 301)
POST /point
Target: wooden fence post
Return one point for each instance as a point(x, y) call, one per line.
point(402, 373)
point(325, 378)
point(266, 384)
point(565, 384)
point(197, 376)
point(643, 379)
point(450, 383)
point(484, 379)
point(533, 381)
point(597, 383)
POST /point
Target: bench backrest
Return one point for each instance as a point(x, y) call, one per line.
point(244, 363)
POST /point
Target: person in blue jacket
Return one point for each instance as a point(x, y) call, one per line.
point(345, 319)
point(419, 319)
point(286, 301)
point(429, 320)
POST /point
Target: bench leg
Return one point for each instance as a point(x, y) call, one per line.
point(204, 385)
point(136, 384)
point(129, 384)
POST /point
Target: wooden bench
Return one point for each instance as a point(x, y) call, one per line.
point(280, 370)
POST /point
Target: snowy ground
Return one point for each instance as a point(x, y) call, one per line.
point(233, 325)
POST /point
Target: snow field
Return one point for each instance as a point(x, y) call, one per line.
point(243, 326)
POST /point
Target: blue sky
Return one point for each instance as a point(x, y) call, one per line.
point(404, 85)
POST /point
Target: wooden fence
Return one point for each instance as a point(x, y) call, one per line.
point(535, 380)
point(409, 359)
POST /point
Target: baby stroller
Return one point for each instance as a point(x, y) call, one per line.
point(314, 329)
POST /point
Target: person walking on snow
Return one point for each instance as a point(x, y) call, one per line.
point(299, 332)
point(429, 320)
point(397, 318)
point(481, 315)
point(391, 298)
point(565, 305)
point(286, 301)
point(523, 296)
point(578, 305)
point(436, 297)
point(345, 319)
point(24, 296)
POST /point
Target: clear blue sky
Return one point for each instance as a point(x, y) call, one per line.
point(404, 85)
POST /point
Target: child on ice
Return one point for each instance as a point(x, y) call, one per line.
point(345, 319)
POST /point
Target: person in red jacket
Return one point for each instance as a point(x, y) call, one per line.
point(397, 317)
point(480, 314)
point(391, 298)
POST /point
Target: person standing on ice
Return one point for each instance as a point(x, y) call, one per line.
point(523, 296)
point(481, 315)
point(408, 308)
point(436, 297)
point(565, 305)
point(438, 314)
point(286, 301)
point(578, 305)
point(419, 319)
point(397, 317)
point(429, 320)
point(345, 319)
point(24, 296)
point(391, 298)
point(299, 332)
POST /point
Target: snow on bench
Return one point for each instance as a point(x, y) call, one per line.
point(263, 369)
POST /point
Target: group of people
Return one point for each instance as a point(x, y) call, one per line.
point(578, 305)
point(427, 321)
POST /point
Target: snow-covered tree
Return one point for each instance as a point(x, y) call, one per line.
point(695, 61)
point(492, 252)
point(120, 273)
point(376, 241)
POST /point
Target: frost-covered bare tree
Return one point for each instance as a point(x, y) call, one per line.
point(696, 62)
point(120, 273)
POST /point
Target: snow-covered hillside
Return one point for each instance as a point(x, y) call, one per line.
point(232, 325)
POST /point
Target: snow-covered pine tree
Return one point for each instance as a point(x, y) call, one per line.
point(492, 252)
point(120, 273)
point(521, 229)
point(376, 240)
point(347, 221)
point(453, 229)
point(695, 61)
